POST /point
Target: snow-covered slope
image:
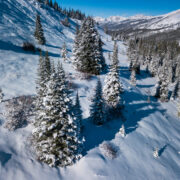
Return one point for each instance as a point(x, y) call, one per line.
point(163, 22)
point(148, 125)
point(17, 25)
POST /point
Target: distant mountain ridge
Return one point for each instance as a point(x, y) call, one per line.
point(163, 22)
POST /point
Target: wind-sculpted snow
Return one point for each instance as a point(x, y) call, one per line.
point(148, 124)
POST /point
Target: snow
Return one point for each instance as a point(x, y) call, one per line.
point(118, 19)
point(161, 22)
point(148, 125)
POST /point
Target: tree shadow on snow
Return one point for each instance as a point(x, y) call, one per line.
point(4, 157)
point(52, 46)
point(136, 108)
point(8, 46)
point(144, 85)
point(162, 149)
point(95, 135)
point(135, 112)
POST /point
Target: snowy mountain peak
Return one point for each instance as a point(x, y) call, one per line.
point(140, 21)
point(121, 18)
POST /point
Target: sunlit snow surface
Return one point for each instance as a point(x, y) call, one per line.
point(148, 125)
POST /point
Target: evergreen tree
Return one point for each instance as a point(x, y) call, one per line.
point(112, 91)
point(65, 22)
point(47, 66)
point(87, 51)
point(97, 108)
point(156, 153)
point(115, 64)
point(122, 131)
point(39, 34)
point(1, 95)
point(133, 77)
point(41, 83)
point(164, 91)
point(55, 5)
point(41, 90)
point(115, 55)
point(76, 44)
point(156, 90)
point(51, 3)
point(56, 137)
point(99, 53)
point(64, 52)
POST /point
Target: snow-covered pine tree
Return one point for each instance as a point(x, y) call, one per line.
point(76, 45)
point(164, 91)
point(87, 50)
point(56, 137)
point(133, 77)
point(1, 95)
point(64, 52)
point(47, 66)
point(99, 53)
point(122, 131)
point(39, 34)
point(115, 60)
point(156, 89)
point(156, 153)
point(65, 22)
point(112, 91)
point(51, 3)
point(78, 113)
point(97, 114)
point(132, 54)
point(40, 87)
point(115, 64)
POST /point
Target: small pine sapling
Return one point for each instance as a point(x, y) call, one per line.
point(64, 52)
point(122, 131)
point(156, 153)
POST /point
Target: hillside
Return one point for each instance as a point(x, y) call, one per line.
point(148, 125)
point(17, 26)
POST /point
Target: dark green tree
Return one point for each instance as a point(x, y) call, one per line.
point(87, 53)
point(97, 114)
point(39, 34)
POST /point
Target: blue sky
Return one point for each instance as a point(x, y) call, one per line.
point(107, 8)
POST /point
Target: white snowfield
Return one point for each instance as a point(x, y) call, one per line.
point(148, 126)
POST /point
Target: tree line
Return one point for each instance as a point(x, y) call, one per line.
point(161, 58)
point(71, 13)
